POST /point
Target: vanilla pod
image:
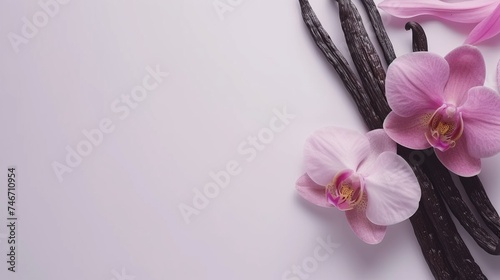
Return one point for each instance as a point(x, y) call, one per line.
point(379, 29)
point(451, 195)
point(477, 195)
point(431, 247)
point(339, 63)
point(419, 39)
point(365, 57)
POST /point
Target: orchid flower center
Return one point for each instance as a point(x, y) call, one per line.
point(346, 190)
point(445, 127)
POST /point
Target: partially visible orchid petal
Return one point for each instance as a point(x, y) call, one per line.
point(482, 111)
point(458, 160)
point(486, 29)
point(392, 189)
point(467, 70)
point(415, 83)
point(379, 142)
point(312, 192)
point(465, 11)
point(408, 131)
point(331, 150)
point(363, 228)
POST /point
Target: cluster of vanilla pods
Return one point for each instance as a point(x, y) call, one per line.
point(442, 246)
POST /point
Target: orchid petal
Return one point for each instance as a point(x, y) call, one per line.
point(467, 70)
point(415, 83)
point(379, 142)
point(363, 228)
point(312, 192)
point(458, 160)
point(331, 150)
point(409, 131)
point(482, 122)
point(393, 191)
point(486, 29)
point(464, 11)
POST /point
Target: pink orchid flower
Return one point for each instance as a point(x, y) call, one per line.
point(441, 103)
point(361, 175)
point(484, 12)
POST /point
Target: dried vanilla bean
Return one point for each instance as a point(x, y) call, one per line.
point(419, 38)
point(379, 29)
point(454, 247)
point(364, 56)
point(431, 246)
point(477, 195)
point(339, 63)
point(441, 177)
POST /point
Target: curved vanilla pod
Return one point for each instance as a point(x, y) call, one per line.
point(425, 232)
point(365, 57)
point(339, 63)
point(477, 195)
point(440, 176)
point(419, 39)
point(379, 29)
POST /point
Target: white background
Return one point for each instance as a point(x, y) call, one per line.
point(117, 212)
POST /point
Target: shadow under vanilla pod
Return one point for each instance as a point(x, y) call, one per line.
point(443, 248)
